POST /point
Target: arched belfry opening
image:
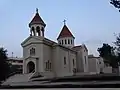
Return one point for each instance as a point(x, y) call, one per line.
point(30, 67)
point(33, 31)
point(38, 31)
point(42, 29)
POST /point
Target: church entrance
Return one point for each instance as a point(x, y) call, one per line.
point(30, 67)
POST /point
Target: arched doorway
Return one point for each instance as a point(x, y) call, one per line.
point(30, 67)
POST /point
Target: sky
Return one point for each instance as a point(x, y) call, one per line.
point(92, 22)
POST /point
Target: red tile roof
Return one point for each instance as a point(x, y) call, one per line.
point(65, 33)
point(37, 20)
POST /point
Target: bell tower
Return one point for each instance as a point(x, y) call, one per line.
point(37, 25)
point(65, 37)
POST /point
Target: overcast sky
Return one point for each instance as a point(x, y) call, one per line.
point(92, 22)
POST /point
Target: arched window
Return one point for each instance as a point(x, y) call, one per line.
point(62, 42)
point(64, 60)
point(85, 59)
point(48, 65)
point(65, 41)
point(71, 41)
point(42, 29)
point(37, 28)
point(32, 51)
point(68, 41)
point(73, 62)
point(33, 30)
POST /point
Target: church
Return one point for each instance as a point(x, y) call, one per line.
point(49, 58)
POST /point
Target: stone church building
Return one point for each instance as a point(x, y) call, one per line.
point(50, 58)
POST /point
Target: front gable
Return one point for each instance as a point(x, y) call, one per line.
point(85, 47)
point(31, 39)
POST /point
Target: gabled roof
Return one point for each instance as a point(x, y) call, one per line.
point(31, 39)
point(85, 47)
point(65, 32)
point(37, 20)
point(77, 48)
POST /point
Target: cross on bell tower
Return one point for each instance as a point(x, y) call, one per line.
point(64, 22)
point(36, 10)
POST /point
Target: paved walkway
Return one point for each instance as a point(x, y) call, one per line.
point(17, 78)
